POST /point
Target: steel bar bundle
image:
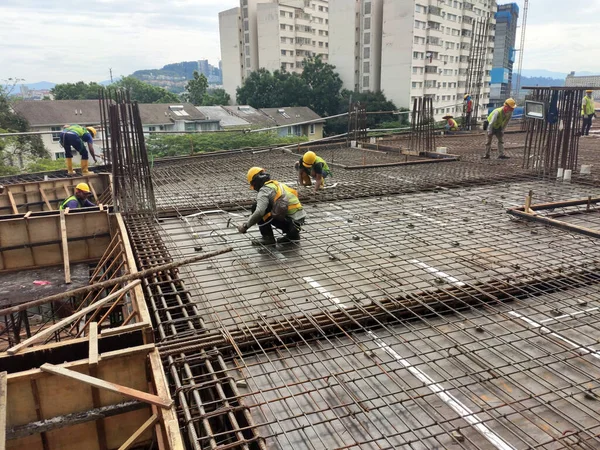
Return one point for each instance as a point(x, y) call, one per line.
point(422, 137)
point(477, 62)
point(553, 142)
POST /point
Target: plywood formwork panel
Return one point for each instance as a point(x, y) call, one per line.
point(59, 396)
point(35, 241)
point(47, 195)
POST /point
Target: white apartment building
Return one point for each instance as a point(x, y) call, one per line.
point(271, 34)
point(410, 48)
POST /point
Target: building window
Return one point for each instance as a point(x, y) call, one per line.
point(55, 136)
point(151, 128)
point(282, 26)
point(367, 7)
point(59, 155)
point(367, 39)
point(367, 52)
point(366, 67)
point(283, 52)
point(190, 126)
point(311, 128)
point(366, 81)
point(282, 13)
point(367, 23)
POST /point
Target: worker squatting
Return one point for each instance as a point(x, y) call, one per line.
point(277, 205)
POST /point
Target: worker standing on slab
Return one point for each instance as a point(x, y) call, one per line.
point(498, 120)
point(277, 205)
point(588, 111)
point(451, 124)
point(311, 165)
point(468, 108)
point(79, 199)
point(75, 137)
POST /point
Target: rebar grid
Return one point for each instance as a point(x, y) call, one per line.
point(297, 409)
point(422, 137)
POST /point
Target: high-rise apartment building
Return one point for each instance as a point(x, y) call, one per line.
point(504, 53)
point(411, 48)
point(271, 34)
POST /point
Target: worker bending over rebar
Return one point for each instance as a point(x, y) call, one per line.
point(497, 122)
point(311, 165)
point(276, 205)
point(79, 199)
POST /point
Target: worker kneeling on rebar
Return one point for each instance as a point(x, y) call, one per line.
point(276, 205)
point(79, 199)
point(311, 165)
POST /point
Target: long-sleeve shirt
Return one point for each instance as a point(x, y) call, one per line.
point(264, 199)
point(74, 203)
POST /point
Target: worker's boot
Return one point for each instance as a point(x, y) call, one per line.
point(264, 240)
point(70, 170)
point(84, 167)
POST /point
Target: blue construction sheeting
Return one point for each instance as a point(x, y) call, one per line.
point(499, 75)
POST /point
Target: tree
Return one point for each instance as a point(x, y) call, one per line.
point(216, 97)
point(324, 85)
point(263, 89)
point(76, 91)
point(196, 89)
point(15, 149)
point(144, 92)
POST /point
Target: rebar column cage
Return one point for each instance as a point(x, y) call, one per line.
point(126, 149)
point(422, 137)
point(553, 142)
point(357, 123)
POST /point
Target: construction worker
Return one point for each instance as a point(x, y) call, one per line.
point(497, 122)
point(468, 108)
point(587, 112)
point(277, 206)
point(451, 124)
point(74, 137)
point(79, 199)
point(311, 165)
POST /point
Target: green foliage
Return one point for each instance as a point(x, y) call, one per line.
point(144, 92)
point(318, 88)
point(179, 145)
point(21, 147)
point(196, 89)
point(76, 91)
point(216, 97)
point(44, 165)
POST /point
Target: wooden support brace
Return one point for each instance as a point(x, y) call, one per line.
point(3, 397)
point(67, 320)
point(102, 384)
point(43, 194)
point(65, 247)
point(93, 344)
point(135, 436)
point(528, 200)
point(12, 202)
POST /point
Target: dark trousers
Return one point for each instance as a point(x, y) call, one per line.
point(587, 124)
point(290, 228)
point(467, 124)
point(72, 141)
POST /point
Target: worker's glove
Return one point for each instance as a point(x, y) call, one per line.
point(242, 228)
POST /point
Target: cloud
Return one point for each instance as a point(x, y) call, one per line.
point(75, 40)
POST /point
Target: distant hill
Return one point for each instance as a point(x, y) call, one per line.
point(174, 77)
point(542, 73)
point(540, 81)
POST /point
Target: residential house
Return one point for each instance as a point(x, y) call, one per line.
point(227, 120)
point(52, 116)
point(293, 121)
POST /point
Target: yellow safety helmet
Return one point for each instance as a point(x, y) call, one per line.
point(92, 130)
point(309, 159)
point(589, 91)
point(510, 103)
point(466, 95)
point(252, 173)
point(83, 187)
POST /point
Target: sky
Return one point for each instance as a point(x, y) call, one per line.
point(72, 40)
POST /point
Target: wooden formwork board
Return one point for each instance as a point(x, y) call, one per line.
point(36, 395)
point(46, 195)
point(35, 241)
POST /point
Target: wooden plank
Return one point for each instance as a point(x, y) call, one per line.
point(67, 320)
point(93, 338)
point(45, 198)
point(65, 247)
point(12, 202)
point(135, 436)
point(113, 387)
point(3, 398)
point(169, 416)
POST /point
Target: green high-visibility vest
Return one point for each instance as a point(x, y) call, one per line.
point(77, 129)
point(501, 120)
point(72, 197)
point(587, 107)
